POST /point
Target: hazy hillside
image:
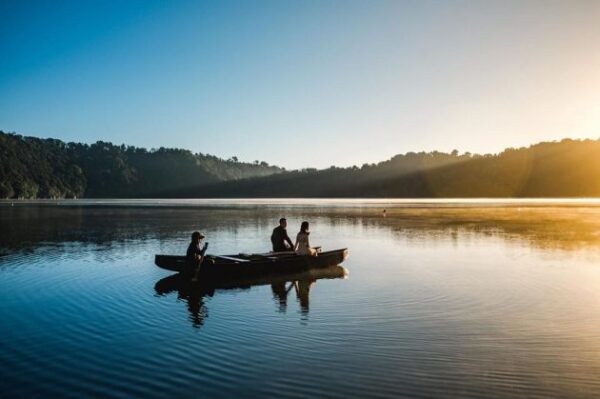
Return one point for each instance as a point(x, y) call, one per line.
point(570, 168)
point(48, 168)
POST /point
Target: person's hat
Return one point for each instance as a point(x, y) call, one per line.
point(197, 234)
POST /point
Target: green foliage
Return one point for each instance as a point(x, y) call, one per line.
point(49, 168)
point(570, 168)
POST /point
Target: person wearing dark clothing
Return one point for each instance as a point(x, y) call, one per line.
point(195, 254)
point(280, 238)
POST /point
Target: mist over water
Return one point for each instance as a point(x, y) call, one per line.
point(454, 299)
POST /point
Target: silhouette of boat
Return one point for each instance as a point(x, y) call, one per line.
point(231, 267)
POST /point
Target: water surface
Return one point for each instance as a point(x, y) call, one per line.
point(441, 298)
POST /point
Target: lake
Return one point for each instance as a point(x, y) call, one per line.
point(476, 298)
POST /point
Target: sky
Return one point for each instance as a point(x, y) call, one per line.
point(302, 83)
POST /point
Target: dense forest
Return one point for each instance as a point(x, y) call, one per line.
point(570, 168)
point(48, 168)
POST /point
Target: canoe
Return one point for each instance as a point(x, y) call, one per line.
point(222, 267)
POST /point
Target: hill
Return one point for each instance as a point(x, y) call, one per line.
point(569, 168)
point(48, 168)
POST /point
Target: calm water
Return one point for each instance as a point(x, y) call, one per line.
point(441, 299)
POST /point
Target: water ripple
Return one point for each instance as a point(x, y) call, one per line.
point(430, 310)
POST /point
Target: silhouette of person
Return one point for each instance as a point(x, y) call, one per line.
point(280, 239)
point(195, 253)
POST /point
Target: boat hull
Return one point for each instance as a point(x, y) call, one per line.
point(256, 265)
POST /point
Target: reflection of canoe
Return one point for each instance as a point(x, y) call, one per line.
point(177, 282)
point(228, 267)
point(195, 292)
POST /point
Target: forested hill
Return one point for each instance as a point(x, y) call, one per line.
point(48, 168)
point(570, 168)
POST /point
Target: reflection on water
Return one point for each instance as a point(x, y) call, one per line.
point(446, 299)
point(282, 284)
point(546, 226)
point(193, 294)
point(300, 287)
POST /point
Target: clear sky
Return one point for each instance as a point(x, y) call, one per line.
point(302, 83)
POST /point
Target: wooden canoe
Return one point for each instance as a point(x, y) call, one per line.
point(222, 267)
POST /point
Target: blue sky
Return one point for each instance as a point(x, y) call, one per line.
point(302, 83)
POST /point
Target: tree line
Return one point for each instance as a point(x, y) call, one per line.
point(569, 168)
point(49, 168)
point(32, 167)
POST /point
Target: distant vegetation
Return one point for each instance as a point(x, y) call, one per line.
point(49, 168)
point(570, 168)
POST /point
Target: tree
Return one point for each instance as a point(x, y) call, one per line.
point(48, 168)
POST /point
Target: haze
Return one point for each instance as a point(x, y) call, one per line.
point(302, 83)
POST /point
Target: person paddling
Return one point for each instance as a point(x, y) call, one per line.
point(280, 239)
point(195, 254)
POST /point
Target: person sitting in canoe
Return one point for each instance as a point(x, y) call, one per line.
point(280, 239)
point(302, 246)
point(195, 253)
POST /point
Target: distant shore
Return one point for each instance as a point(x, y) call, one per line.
point(308, 202)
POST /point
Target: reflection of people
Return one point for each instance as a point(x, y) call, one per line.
point(195, 254)
point(191, 293)
point(195, 305)
point(302, 292)
point(280, 240)
point(302, 288)
point(302, 246)
point(280, 293)
point(194, 294)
